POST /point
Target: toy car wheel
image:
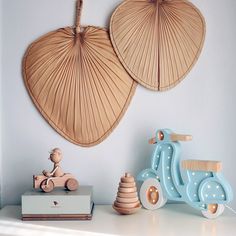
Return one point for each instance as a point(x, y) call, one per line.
point(47, 187)
point(213, 211)
point(72, 184)
point(151, 194)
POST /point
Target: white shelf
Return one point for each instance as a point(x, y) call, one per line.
point(173, 219)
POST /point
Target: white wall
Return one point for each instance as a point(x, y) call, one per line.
point(202, 105)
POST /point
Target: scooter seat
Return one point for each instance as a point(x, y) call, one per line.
point(200, 165)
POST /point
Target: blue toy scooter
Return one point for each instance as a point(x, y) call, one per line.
point(200, 183)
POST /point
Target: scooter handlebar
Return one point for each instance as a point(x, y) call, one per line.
point(173, 138)
point(180, 137)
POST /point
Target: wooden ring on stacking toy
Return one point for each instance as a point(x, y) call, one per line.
point(126, 200)
point(127, 211)
point(126, 205)
point(128, 178)
point(127, 185)
point(127, 190)
point(127, 195)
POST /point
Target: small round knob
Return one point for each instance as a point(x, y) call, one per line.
point(127, 174)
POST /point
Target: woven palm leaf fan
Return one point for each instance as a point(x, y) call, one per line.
point(157, 41)
point(77, 82)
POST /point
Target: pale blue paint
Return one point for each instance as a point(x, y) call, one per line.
point(196, 188)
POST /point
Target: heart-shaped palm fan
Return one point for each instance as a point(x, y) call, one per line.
point(77, 82)
point(157, 41)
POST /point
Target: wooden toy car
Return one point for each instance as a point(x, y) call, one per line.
point(47, 184)
point(56, 177)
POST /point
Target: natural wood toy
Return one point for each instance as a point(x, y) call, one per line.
point(55, 178)
point(199, 183)
point(127, 201)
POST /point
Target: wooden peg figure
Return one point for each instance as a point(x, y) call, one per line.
point(55, 157)
point(55, 178)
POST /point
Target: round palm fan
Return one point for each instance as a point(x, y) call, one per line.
point(157, 41)
point(77, 82)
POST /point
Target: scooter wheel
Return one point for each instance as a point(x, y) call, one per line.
point(151, 194)
point(213, 211)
